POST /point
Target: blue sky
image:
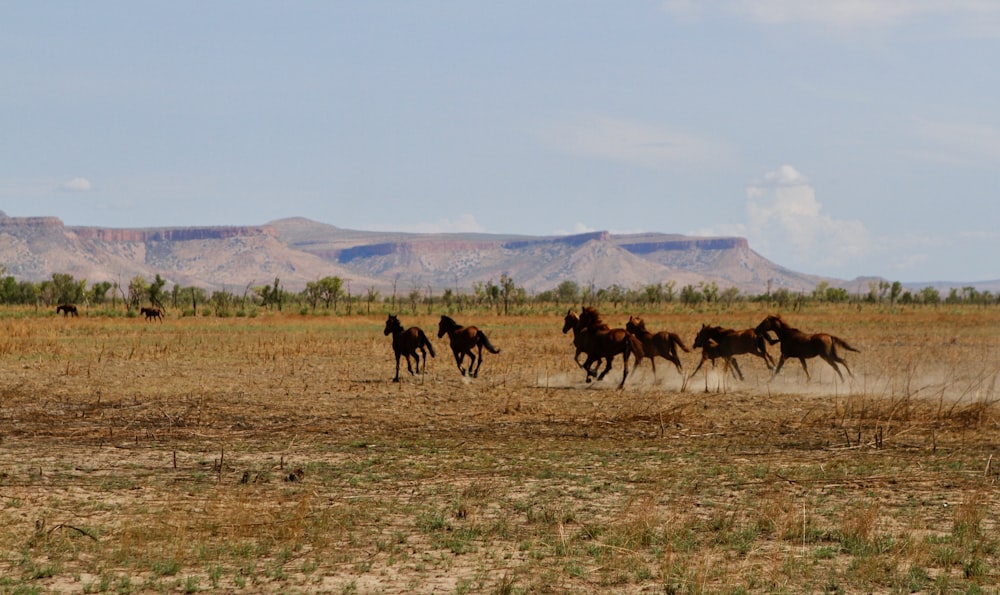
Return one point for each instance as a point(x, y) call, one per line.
point(842, 137)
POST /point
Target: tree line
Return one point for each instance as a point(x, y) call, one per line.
point(335, 294)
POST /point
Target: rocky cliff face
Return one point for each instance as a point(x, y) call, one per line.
point(298, 251)
point(169, 234)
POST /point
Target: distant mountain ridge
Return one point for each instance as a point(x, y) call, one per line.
point(298, 250)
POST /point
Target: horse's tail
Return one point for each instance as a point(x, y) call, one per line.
point(483, 340)
point(679, 342)
point(426, 343)
point(843, 343)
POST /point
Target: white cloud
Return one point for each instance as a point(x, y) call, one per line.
point(77, 185)
point(845, 14)
point(464, 223)
point(785, 222)
point(578, 228)
point(633, 142)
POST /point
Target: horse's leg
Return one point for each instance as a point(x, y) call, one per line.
point(698, 367)
point(833, 363)
point(478, 362)
point(396, 379)
point(805, 369)
point(735, 367)
point(777, 368)
point(621, 385)
point(606, 369)
point(840, 360)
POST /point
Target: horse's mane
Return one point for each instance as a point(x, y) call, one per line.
point(638, 323)
point(590, 314)
point(448, 321)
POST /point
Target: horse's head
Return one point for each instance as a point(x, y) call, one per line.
point(635, 324)
point(700, 340)
point(392, 324)
point(570, 321)
point(771, 323)
point(446, 326)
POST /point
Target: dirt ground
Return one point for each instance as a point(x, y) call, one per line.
point(275, 454)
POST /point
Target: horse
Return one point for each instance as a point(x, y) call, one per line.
point(802, 346)
point(571, 322)
point(599, 341)
point(67, 310)
point(151, 313)
point(463, 340)
point(407, 343)
point(662, 343)
point(718, 342)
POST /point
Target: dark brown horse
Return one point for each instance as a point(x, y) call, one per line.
point(407, 343)
point(571, 322)
point(151, 313)
point(802, 346)
point(599, 341)
point(67, 310)
point(717, 342)
point(463, 340)
point(662, 343)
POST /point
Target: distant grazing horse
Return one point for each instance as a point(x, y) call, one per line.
point(799, 345)
point(463, 340)
point(717, 342)
point(663, 343)
point(151, 313)
point(407, 343)
point(599, 341)
point(67, 310)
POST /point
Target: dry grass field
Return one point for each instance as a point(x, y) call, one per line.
point(273, 453)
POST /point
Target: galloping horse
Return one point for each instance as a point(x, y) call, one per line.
point(571, 322)
point(67, 310)
point(718, 342)
point(802, 346)
point(407, 343)
point(599, 341)
point(463, 340)
point(152, 312)
point(663, 343)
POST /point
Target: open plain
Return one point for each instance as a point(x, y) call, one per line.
point(273, 453)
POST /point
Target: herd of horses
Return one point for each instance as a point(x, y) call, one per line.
point(151, 313)
point(600, 343)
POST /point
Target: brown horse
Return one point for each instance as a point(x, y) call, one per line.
point(463, 340)
point(67, 310)
point(599, 341)
point(717, 342)
point(663, 343)
point(151, 313)
point(802, 346)
point(407, 343)
point(571, 322)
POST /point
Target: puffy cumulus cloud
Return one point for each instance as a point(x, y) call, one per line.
point(628, 141)
point(77, 185)
point(786, 222)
